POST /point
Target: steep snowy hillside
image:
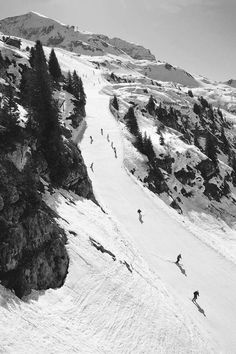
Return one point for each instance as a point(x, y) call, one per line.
point(123, 292)
point(52, 33)
point(33, 26)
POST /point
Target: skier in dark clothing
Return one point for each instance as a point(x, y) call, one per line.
point(140, 216)
point(101, 131)
point(108, 138)
point(91, 139)
point(91, 166)
point(195, 296)
point(179, 257)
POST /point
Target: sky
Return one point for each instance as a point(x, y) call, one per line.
point(197, 35)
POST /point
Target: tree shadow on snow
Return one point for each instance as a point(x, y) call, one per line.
point(183, 271)
point(199, 308)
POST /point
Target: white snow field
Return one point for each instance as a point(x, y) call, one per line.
point(107, 305)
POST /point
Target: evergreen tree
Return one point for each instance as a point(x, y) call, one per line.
point(190, 93)
point(196, 109)
point(139, 143)
point(211, 147)
point(162, 141)
point(82, 96)
point(233, 165)
point(43, 111)
point(220, 114)
point(131, 121)
point(68, 85)
point(31, 56)
point(10, 132)
point(115, 103)
point(196, 136)
point(24, 87)
point(226, 145)
point(76, 85)
point(148, 148)
point(151, 106)
point(9, 106)
point(54, 67)
point(78, 92)
point(204, 102)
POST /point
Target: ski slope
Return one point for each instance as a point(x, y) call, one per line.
point(104, 307)
point(162, 235)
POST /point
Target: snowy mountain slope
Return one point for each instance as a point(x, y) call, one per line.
point(103, 307)
point(33, 26)
point(184, 181)
point(52, 33)
point(106, 305)
point(100, 166)
point(156, 232)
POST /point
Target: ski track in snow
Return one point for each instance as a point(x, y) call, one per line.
point(103, 307)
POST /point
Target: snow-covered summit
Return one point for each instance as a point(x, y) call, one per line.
point(34, 26)
point(52, 33)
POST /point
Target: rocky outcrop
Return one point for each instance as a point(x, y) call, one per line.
point(77, 178)
point(133, 50)
point(32, 245)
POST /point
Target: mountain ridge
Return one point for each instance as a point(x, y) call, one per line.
point(33, 26)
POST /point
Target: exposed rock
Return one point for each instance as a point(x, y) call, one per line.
point(32, 245)
point(77, 178)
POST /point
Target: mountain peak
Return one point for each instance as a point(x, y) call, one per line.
point(34, 26)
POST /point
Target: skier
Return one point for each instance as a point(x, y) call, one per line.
point(115, 152)
point(112, 145)
point(140, 215)
point(101, 131)
point(179, 257)
point(91, 139)
point(108, 138)
point(195, 296)
point(91, 166)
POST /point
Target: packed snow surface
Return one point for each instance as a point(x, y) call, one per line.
point(133, 298)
